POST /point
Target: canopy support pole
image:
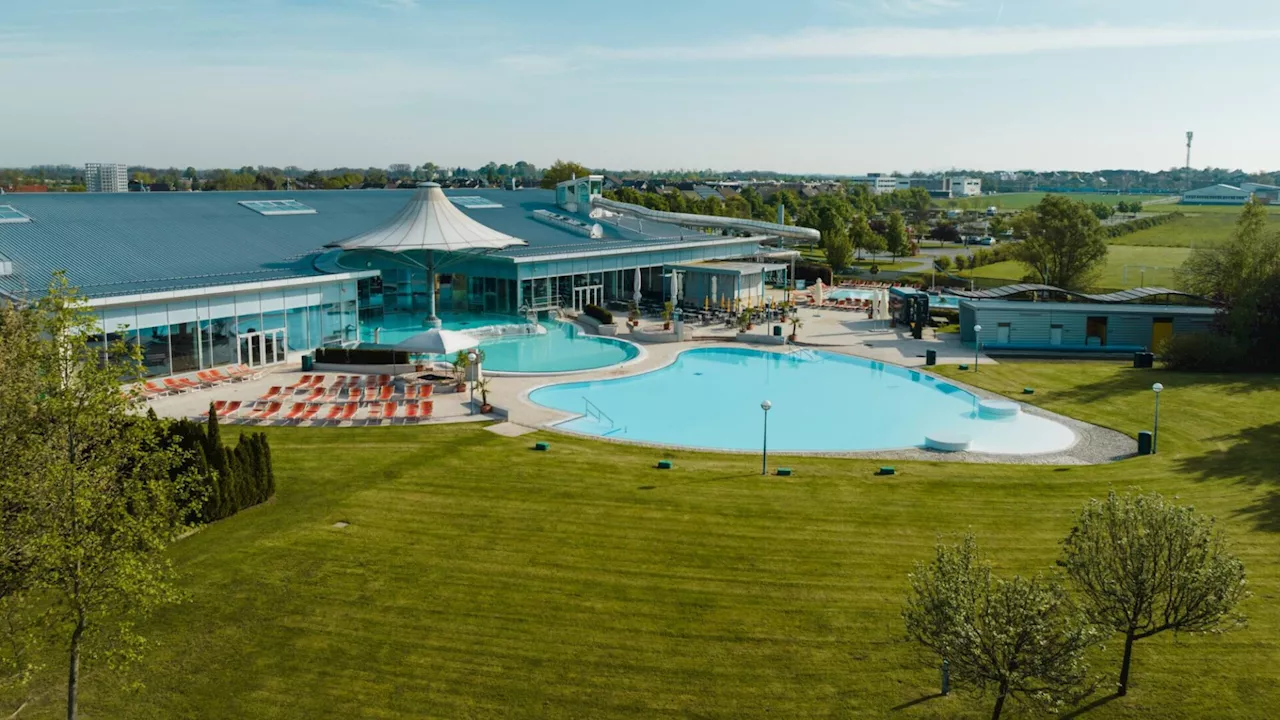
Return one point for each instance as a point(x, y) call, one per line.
point(432, 320)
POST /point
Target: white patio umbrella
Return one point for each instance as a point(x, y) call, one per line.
point(817, 293)
point(715, 296)
point(438, 342)
point(636, 295)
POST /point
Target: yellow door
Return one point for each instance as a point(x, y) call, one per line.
point(1161, 330)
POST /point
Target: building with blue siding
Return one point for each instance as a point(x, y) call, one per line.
point(207, 279)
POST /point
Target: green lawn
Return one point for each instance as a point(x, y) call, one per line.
point(1024, 200)
point(479, 579)
point(1197, 229)
point(1127, 266)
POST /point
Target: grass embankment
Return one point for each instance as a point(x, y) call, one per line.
point(1024, 200)
point(1127, 266)
point(480, 579)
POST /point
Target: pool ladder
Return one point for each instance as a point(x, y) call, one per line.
point(593, 411)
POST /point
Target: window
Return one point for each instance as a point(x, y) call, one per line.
point(475, 202)
point(278, 207)
point(9, 215)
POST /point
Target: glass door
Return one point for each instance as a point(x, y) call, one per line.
point(257, 349)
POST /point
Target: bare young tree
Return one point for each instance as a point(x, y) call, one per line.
point(1018, 638)
point(1145, 565)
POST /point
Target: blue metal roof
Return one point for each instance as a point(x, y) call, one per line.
point(125, 243)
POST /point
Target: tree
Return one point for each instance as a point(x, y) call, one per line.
point(1234, 272)
point(1064, 246)
point(1145, 565)
point(111, 496)
point(1017, 638)
point(942, 263)
point(838, 249)
point(1101, 210)
point(895, 235)
point(946, 232)
point(562, 170)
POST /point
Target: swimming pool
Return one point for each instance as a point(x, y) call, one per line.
point(822, 402)
point(563, 348)
point(939, 301)
point(559, 347)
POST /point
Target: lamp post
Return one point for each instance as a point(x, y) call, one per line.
point(471, 363)
point(1155, 434)
point(977, 345)
point(764, 448)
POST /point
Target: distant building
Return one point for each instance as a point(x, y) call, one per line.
point(1217, 195)
point(1266, 193)
point(106, 177)
point(949, 187)
point(879, 184)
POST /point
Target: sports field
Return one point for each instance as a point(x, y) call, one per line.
point(1202, 226)
point(478, 579)
point(1127, 266)
point(1024, 200)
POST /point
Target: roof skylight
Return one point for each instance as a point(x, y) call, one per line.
point(9, 215)
point(475, 202)
point(278, 207)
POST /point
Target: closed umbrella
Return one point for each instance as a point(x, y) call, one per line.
point(714, 295)
point(636, 295)
point(817, 293)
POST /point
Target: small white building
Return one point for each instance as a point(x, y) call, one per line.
point(880, 184)
point(106, 177)
point(1220, 194)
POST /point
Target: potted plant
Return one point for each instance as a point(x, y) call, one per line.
point(795, 325)
point(633, 315)
point(667, 308)
point(744, 321)
point(482, 387)
point(460, 364)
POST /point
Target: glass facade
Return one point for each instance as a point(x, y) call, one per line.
point(255, 327)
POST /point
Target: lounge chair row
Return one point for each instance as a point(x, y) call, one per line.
point(349, 393)
point(203, 379)
point(414, 410)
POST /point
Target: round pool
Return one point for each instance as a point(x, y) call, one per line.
point(564, 347)
point(821, 402)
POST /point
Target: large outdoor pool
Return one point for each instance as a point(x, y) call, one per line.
point(559, 347)
point(822, 402)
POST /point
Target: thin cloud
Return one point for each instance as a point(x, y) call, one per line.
point(919, 8)
point(395, 4)
point(912, 42)
point(533, 64)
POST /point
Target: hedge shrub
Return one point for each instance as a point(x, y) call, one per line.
point(227, 479)
point(361, 356)
point(599, 313)
point(1201, 352)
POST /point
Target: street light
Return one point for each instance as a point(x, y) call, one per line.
point(1155, 434)
point(764, 448)
point(471, 364)
point(977, 345)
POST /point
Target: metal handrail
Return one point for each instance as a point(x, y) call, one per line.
point(599, 414)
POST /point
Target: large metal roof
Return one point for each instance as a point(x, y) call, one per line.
point(1120, 296)
point(124, 243)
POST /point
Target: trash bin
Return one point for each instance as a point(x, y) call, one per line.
point(1144, 360)
point(930, 357)
point(777, 331)
point(308, 363)
point(1144, 443)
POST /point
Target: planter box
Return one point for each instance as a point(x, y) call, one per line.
point(599, 328)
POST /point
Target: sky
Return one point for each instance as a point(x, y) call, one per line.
point(804, 86)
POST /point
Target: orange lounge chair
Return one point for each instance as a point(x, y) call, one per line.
point(315, 395)
point(375, 413)
point(151, 388)
point(411, 411)
point(296, 411)
point(174, 386)
point(218, 406)
point(207, 377)
point(384, 379)
point(385, 393)
point(312, 411)
point(410, 392)
point(188, 382)
point(340, 381)
point(371, 393)
point(269, 394)
point(390, 409)
point(317, 381)
point(230, 409)
point(335, 412)
point(304, 380)
point(426, 391)
point(264, 413)
point(224, 377)
point(349, 411)
point(332, 394)
point(427, 406)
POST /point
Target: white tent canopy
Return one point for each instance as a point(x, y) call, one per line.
point(438, 342)
point(430, 221)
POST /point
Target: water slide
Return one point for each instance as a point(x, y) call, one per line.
point(755, 227)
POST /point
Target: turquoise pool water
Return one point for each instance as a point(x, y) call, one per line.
point(942, 301)
point(822, 402)
point(562, 348)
